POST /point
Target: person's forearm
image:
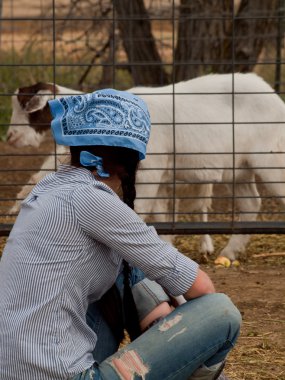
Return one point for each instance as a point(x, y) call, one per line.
point(159, 312)
point(201, 286)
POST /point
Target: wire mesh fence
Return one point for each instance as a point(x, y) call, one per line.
point(211, 73)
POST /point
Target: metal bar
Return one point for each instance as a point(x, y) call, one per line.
point(192, 123)
point(138, 18)
point(174, 116)
point(141, 63)
point(5, 229)
point(200, 228)
point(159, 93)
point(233, 119)
point(1, 8)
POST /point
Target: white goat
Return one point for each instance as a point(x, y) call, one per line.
point(213, 116)
point(30, 122)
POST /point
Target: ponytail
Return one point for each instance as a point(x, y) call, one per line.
point(130, 311)
point(118, 314)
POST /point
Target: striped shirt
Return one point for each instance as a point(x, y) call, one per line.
point(64, 252)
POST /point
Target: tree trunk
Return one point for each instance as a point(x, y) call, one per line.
point(200, 29)
point(255, 25)
point(135, 29)
point(214, 37)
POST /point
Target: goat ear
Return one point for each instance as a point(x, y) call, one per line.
point(39, 101)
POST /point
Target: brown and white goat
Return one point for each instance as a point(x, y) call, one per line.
point(203, 121)
point(30, 126)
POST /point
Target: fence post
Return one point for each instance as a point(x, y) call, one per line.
point(279, 45)
point(1, 5)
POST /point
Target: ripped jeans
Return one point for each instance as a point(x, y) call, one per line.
point(199, 332)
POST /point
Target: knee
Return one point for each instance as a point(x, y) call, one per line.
point(227, 313)
point(227, 307)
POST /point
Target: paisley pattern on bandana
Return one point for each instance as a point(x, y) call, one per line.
point(104, 117)
point(100, 114)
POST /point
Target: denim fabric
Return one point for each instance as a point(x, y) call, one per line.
point(147, 295)
point(92, 373)
point(200, 332)
point(106, 343)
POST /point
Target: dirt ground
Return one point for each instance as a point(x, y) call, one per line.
point(259, 292)
point(257, 286)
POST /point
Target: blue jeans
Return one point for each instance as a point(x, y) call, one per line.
point(147, 295)
point(199, 332)
point(106, 342)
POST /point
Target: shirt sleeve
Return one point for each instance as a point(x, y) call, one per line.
point(104, 217)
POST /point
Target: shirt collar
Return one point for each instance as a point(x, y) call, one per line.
point(80, 174)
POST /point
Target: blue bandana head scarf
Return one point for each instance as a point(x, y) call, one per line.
point(105, 117)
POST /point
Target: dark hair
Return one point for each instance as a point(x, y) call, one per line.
point(123, 162)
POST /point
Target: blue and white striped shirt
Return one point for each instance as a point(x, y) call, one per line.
point(64, 252)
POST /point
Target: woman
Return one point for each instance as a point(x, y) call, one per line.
point(75, 241)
